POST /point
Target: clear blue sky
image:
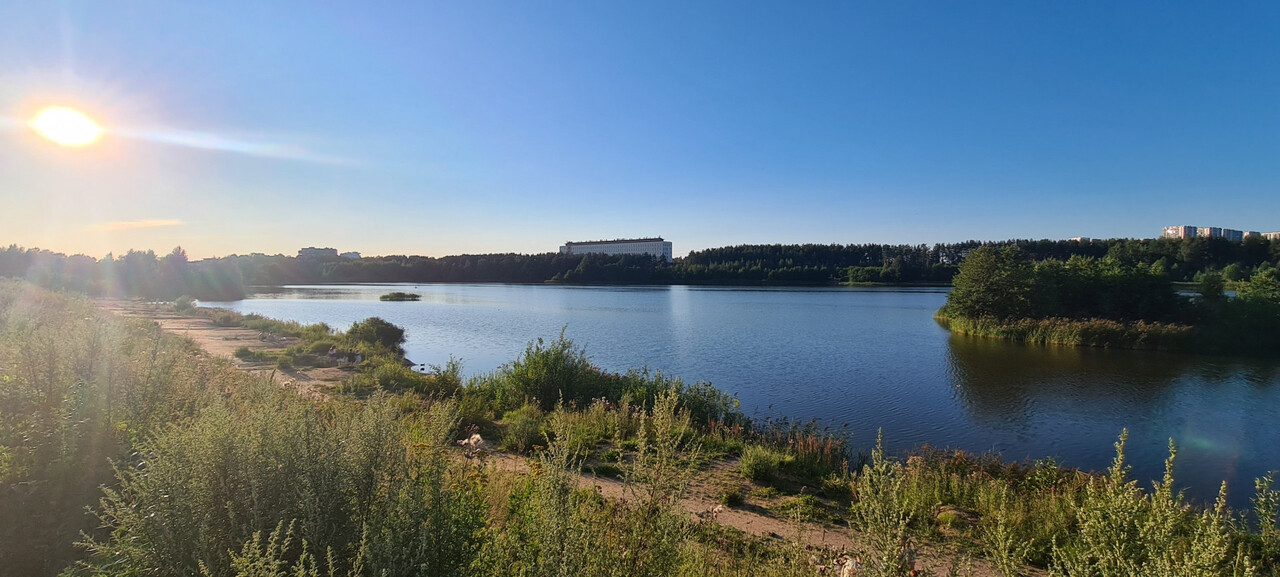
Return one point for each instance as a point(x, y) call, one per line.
point(467, 127)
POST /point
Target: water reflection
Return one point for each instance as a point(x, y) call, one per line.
point(996, 381)
point(1071, 403)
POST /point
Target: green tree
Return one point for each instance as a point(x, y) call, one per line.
point(1263, 286)
point(376, 331)
point(1212, 286)
point(993, 283)
point(1235, 272)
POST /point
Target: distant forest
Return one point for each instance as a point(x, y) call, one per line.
point(144, 274)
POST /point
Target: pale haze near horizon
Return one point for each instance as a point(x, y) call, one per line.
point(479, 127)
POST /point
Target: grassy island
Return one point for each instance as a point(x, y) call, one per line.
point(400, 296)
point(1103, 302)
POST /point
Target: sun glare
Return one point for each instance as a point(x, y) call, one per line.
point(66, 126)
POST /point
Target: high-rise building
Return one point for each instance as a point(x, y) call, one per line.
point(1230, 234)
point(1179, 232)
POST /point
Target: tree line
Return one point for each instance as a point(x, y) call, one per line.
point(144, 274)
point(1084, 300)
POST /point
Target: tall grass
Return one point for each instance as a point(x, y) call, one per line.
point(883, 511)
point(347, 477)
point(559, 371)
point(77, 387)
point(1087, 333)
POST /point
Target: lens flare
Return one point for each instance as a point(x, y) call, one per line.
point(66, 126)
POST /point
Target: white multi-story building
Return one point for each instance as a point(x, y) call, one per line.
point(1230, 234)
point(313, 252)
point(651, 246)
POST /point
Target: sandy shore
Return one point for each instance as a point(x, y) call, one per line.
point(223, 342)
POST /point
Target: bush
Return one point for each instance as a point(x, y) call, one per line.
point(761, 464)
point(378, 332)
point(244, 353)
point(284, 363)
point(523, 429)
point(802, 509)
point(322, 346)
point(353, 478)
point(474, 410)
point(837, 486)
point(883, 512)
point(548, 372)
point(730, 497)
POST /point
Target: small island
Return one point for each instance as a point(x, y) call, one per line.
point(400, 296)
point(1107, 302)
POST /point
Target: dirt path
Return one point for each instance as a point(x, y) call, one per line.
point(223, 342)
point(754, 516)
point(701, 501)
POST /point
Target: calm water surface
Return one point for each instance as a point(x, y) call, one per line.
point(858, 360)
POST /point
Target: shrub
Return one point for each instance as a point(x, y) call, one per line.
point(802, 509)
point(761, 464)
point(378, 332)
point(581, 431)
point(1122, 529)
point(837, 486)
point(730, 497)
point(352, 478)
point(883, 512)
point(284, 363)
point(546, 372)
point(475, 410)
point(446, 380)
point(322, 346)
point(224, 318)
point(523, 428)
point(764, 492)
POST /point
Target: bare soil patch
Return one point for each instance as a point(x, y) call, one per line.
point(223, 342)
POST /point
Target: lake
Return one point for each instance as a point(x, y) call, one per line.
point(858, 359)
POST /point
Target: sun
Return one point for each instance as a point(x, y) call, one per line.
point(66, 126)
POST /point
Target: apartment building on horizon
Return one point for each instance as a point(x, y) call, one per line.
point(325, 253)
point(1230, 234)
